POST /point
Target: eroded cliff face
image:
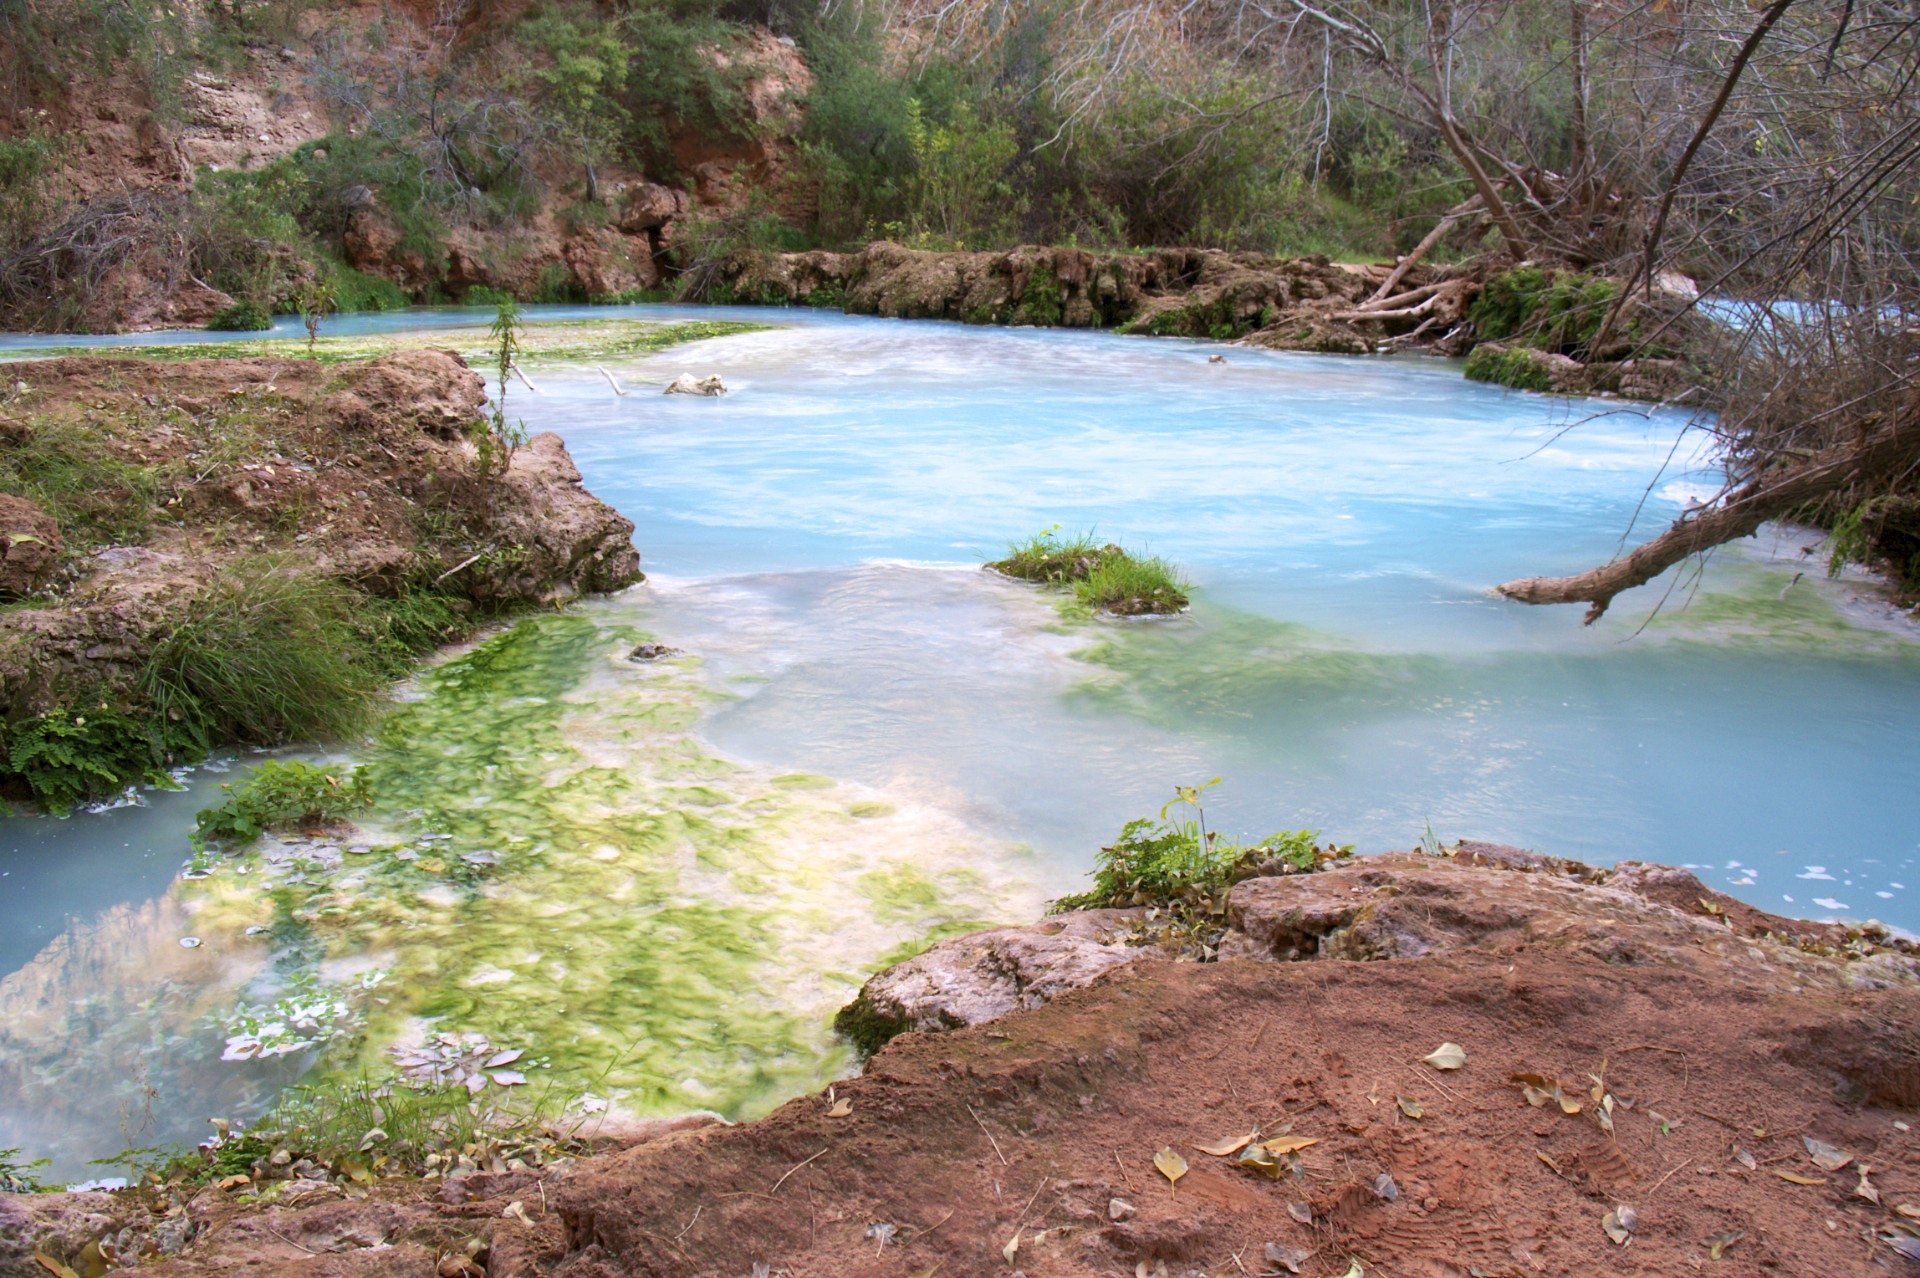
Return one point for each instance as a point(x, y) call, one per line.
point(126, 162)
point(364, 474)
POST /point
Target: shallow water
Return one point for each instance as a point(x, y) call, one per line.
point(869, 737)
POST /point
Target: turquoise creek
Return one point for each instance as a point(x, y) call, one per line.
point(658, 879)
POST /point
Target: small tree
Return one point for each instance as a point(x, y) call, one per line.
point(494, 439)
point(580, 82)
point(316, 299)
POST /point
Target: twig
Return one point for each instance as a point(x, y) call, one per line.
point(1429, 1078)
point(1123, 1170)
point(457, 567)
point(1044, 1180)
point(690, 1223)
point(936, 1224)
point(291, 1243)
point(1663, 1180)
point(990, 1139)
point(609, 376)
point(522, 376)
point(791, 1170)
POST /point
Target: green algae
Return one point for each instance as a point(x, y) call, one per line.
point(548, 342)
point(555, 863)
point(1765, 607)
point(1221, 664)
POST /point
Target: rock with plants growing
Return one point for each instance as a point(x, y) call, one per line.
point(1103, 578)
point(249, 550)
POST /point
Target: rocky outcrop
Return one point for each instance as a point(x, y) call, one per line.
point(29, 546)
point(364, 475)
point(987, 975)
point(1183, 292)
point(1482, 898)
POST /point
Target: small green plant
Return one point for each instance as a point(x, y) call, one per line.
point(241, 317)
point(494, 440)
point(1183, 866)
point(281, 794)
point(66, 756)
point(17, 1177)
point(316, 300)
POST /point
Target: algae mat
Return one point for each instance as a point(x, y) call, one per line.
point(556, 865)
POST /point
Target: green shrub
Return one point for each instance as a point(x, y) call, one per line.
point(485, 295)
point(1558, 311)
point(1184, 866)
point(1514, 366)
point(266, 654)
point(242, 317)
point(358, 291)
point(66, 757)
point(281, 795)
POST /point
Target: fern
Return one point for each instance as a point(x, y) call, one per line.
point(64, 756)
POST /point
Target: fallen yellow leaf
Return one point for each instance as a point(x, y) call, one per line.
point(1222, 1148)
point(1797, 1179)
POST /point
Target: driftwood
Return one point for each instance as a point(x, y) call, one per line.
point(1881, 450)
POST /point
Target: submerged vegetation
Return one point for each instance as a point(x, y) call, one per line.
point(1103, 578)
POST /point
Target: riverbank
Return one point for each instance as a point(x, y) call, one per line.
point(249, 549)
point(1649, 1075)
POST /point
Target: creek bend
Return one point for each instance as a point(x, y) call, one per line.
point(677, 870)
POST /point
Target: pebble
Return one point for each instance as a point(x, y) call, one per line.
point(1119, 1209)
point(189, 942)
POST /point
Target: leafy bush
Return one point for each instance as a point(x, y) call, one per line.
point(267, 654)
point(281, 795)
point(483, 295)
point(1558, 311)
point(1184, 866)
point(242, 316)
point(358, 291)
point(66, 757)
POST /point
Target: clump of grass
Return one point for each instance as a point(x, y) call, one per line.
point(267, 654)
point(1102, 577)
point(1134, 585)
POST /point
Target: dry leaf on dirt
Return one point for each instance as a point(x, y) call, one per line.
point(1013, 1245)
point(1720, 1242)
point(1797, 1179)
point(1864, 1189)
point(1232, 1145)
point(1445, 1056)
point(1619, 1223)
point(1746, 1160)
point(53, 1266)
point(1256, 1158)
point(841, 1108)
point(1289, 1144)
point(1826, 1157)
point(1411, 1108)
point(1909, 1211)
point(1170, 1165)
point(1300, 1212)
point(1288, 1258)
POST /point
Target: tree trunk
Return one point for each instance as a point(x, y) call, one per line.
point(1889, 451)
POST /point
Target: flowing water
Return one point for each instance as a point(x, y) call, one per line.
point(659, 879)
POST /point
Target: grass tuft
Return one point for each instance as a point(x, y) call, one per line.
point(1102, 577)
point(266, 654)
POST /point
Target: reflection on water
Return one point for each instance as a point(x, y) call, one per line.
point(661, 878)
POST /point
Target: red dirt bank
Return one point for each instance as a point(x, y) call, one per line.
point(1725, 1043)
